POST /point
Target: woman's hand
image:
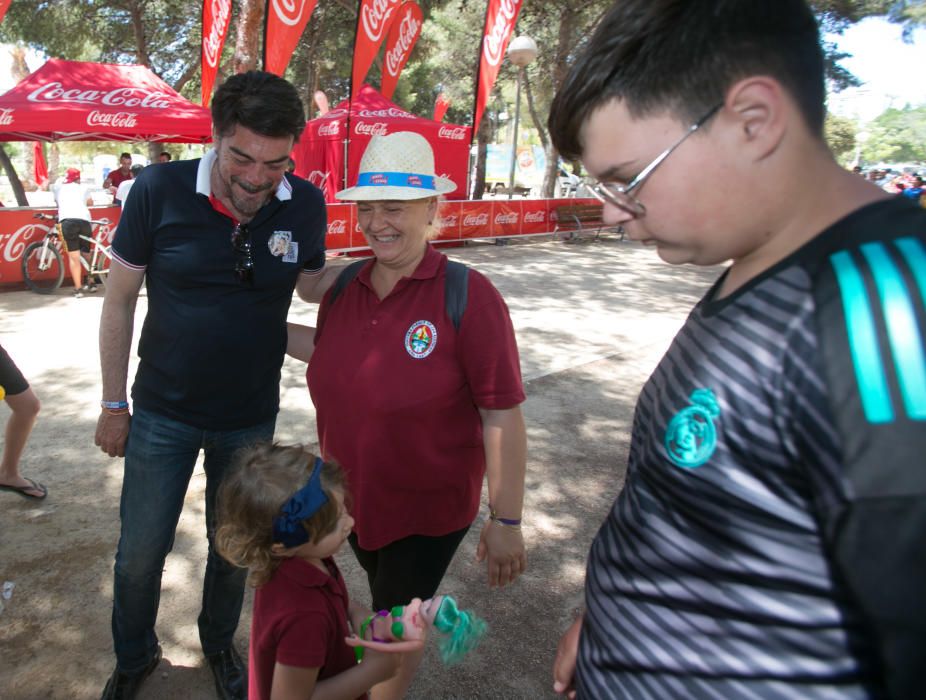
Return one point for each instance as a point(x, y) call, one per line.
point(564, 667)
point(503, 547)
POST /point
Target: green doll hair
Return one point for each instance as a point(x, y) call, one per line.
point(462, 628)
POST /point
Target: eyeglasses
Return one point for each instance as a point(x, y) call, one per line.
point(244, 263)
point(620, 195)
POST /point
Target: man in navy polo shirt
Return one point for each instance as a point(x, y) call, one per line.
point(221, 243)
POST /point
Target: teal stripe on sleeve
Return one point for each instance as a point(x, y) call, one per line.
point(912, 365)
point(863, 340)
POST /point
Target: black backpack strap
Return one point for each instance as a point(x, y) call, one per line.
point(456, 290)
point(343, 279)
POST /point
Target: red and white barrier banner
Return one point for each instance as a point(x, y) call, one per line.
point(373, 21)
point(441, 105)
point(456, 221)
point(216, 17)
point(286, 20)
point(501, 16)
point(4, 6)
point(406, 28)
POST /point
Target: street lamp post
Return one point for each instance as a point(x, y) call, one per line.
point(521, 51)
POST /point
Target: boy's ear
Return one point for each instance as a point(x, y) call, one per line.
point(761, 110)
point(279, 550)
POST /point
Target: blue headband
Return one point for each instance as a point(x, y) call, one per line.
point(288, 529)
point(421, 182)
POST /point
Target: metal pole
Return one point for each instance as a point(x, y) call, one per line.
point(514, 136)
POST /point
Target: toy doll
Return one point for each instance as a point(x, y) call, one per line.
point(405, 628)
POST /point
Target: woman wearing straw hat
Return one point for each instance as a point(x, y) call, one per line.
point(414, 409)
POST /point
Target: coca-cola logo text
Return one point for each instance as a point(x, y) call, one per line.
point(493, 45)
point(289, 12)
point(212, 42)
point(374, 18)
point(534, 217)
point(118, 120)
point(454, 133)
point(328, 129)
point(447, 221)
point(383, 113)
point(371, 129)
point(409, 28)
point(476, 219)
point(118, 97)
point(317, 178)
point(508, 218)
point(337, 227)
point(6, 116)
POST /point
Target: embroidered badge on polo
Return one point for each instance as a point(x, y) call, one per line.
point(421, 339)
point(279, 243)
point(691, 437)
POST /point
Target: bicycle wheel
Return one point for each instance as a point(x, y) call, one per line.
point(43, 269)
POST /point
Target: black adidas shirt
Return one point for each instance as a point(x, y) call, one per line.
point(770, 541)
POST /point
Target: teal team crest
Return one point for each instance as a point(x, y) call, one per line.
point(691, 437)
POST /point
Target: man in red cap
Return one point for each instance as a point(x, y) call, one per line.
point(74, 216)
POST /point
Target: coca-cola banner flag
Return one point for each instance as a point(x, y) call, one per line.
point(441, 105)
point(286, 20)
point(500, 18)
point(4, 6)
point(216, 16)
point(373, 22)
point(406, 28)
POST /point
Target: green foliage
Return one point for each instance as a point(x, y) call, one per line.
point(840, 135)
point(898, 135)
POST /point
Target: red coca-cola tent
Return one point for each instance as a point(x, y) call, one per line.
point(319, 155)
point(76, 101)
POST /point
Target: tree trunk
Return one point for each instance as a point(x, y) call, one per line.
point(20, 71)
point(138, 30)
point(249, 33)
point(564, 46)
point(482, 148)
point(17, 186)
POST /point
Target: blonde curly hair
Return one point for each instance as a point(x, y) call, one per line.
point(263, 478)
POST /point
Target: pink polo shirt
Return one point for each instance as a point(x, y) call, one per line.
point(397, 392)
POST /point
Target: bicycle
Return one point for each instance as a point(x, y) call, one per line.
point(43, 264)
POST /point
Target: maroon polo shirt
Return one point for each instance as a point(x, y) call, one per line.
point(299, 619)
point(397, 392)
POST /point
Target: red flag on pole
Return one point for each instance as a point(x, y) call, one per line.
point(373, 22)
point(501, 16)
point(286, 20)
point(40, 167)
point(216, 16)
point(406, 28)
point(4, 6)
point(441, 105)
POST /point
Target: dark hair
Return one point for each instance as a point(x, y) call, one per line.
point(263, 478)
point(125, 154)
point(135, 169)
point(681, 56)
point(262, 102)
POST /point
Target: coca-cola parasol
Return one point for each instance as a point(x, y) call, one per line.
point(77, 101)
point(319, 155)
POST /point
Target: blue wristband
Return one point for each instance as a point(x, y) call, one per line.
point(114, 405)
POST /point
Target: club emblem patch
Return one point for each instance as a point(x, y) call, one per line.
point(421, 339)
point(691, 437)
point(279, 243)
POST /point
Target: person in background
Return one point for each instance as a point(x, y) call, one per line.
point(123, 190)
point(73, 200)
point(220, 242)
point(416, 459)
point(769, 538)
point(915, 190)
point(164, 157)
point(302, 612)
point(117, 176)
point(24, 407)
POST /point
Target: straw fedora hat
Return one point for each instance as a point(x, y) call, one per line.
point(397, 166)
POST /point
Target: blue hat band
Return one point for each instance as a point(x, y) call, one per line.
point(414, 180)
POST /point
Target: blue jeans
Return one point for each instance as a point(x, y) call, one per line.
point(159, 460)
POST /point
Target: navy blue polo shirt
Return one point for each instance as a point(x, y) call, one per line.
point(211, 346)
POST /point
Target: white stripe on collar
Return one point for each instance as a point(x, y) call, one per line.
point(204, 173)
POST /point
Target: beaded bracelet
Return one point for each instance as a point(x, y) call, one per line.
point(507, 522)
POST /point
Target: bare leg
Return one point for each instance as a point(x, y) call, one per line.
point(396, 687)
point(25, 407)
point(74, 264)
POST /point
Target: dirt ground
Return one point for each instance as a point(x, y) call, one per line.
point(592, 320)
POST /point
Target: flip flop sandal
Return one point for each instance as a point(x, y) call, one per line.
point(24, 490)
